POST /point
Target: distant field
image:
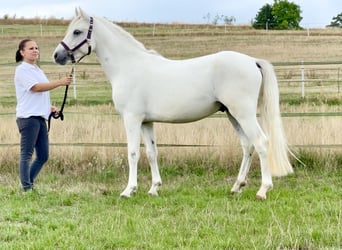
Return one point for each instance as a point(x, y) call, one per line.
point(184, 40)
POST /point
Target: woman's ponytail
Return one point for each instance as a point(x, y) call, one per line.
point(18, 55)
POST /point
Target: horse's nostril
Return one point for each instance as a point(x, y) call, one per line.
point(55, 55)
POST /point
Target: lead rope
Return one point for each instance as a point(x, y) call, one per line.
point(59, 114)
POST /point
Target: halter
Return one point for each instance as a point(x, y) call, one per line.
point(71, 54)
point(86, 40)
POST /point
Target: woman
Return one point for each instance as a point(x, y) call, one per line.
point(32, 111)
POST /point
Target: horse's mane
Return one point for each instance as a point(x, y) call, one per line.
point(111, 26)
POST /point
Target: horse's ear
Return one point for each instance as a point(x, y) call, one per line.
point(82, 13)
point(76, 11)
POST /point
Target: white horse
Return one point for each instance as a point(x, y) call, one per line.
point(148, 88)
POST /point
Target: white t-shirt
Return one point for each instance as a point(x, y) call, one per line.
point(30, 103)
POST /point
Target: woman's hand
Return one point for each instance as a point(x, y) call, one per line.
point(54, 110)
point(66, 80)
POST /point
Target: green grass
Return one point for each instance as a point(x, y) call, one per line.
point(314, 99)
point(81, 209)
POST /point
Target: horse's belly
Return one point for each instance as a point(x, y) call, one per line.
point(181, 114)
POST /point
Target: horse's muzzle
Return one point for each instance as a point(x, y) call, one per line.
point(61, 57)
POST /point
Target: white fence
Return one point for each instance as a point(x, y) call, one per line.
point(296, 79)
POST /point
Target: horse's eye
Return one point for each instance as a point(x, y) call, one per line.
point(77, 32)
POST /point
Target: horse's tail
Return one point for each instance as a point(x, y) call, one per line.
point(271, 122)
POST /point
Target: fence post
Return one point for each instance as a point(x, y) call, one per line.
point(338, 80)
point(154, 29)
point(303, 80)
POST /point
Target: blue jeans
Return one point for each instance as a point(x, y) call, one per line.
point(33, 136)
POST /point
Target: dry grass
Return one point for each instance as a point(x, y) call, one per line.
point(99, 126)
point(275, 46)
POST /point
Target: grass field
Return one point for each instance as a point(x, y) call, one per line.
point(80, 209)
point(78, 204)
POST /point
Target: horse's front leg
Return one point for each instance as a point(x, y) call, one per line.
point(152, 153)
point(132, 126)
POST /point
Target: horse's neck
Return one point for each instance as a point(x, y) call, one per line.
point(116, 48)
point(118, 52)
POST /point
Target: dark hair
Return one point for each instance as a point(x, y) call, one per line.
point(18, 56)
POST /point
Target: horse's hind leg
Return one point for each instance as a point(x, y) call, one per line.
point(247, 150)
point(152, 153)
point(245, 122)
point(256, 136)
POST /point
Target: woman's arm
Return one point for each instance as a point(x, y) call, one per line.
point(41, 87)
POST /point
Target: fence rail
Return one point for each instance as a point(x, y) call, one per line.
point(314, 78)
point(163, 145)
point(216, 115)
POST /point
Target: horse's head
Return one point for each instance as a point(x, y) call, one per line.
point(77, 42)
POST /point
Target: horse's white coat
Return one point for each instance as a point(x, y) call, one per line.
point(149, 88)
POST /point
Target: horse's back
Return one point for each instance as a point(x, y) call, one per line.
point(191, 89)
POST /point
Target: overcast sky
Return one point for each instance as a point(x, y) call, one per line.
point(315, 13)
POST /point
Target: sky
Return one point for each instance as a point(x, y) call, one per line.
point(315, 13)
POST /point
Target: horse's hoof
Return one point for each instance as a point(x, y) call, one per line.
point(261, 197)
point(154, 189)
point(153, 193)
point(237, 188)
point(124, 196)
point(233, 191)
point(128, 192)
point(261, 194)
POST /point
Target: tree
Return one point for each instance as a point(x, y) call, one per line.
point(226, 20)
point(207, 17)
point(286, 15)
point(264, 19)
point(336, 21)
point(281, 15)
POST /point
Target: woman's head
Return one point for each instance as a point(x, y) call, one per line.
point(27, 49)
